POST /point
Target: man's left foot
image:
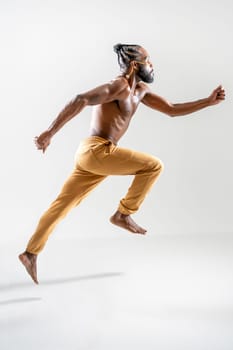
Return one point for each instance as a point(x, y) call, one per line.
point(29, 261)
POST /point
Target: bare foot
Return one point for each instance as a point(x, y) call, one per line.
point(125, 221)
point(29, 261)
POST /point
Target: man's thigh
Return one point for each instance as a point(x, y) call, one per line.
point(121, 161)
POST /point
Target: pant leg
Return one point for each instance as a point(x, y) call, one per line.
point(106, 158)
point(75, 189)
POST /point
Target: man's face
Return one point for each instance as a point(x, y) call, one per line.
point(145, 73)
point(145, 68)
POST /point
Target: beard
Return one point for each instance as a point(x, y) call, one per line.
point(145, 75)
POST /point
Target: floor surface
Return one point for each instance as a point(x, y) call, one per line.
point(126, 292)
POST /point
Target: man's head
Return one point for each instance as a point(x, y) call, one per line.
point(135, 58)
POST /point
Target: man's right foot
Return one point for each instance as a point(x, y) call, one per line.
point(125, 221)
point(29, 261)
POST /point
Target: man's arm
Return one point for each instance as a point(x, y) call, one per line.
point(178, 109)
point(115, 89)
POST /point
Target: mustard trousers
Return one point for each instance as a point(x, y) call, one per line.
point(95, 159)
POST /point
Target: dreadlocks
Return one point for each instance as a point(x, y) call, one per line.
point(126, 54)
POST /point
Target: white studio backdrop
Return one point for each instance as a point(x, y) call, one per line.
point(53, 50)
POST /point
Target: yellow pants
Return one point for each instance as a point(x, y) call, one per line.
point(95, 159)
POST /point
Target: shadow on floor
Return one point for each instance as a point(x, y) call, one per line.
point(19, 300)
point(12, 286)
point(81, 278)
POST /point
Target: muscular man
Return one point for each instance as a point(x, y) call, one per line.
point(99, 156)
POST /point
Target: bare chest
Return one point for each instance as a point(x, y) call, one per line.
point(114, 117)
point(127, 107)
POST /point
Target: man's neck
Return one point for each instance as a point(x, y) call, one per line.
point(133, 80)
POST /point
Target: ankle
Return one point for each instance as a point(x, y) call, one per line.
point(30, 255)
point(121, 215)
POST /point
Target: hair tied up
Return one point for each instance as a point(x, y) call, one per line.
point(117, 47)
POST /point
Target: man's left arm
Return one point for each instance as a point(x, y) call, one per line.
point(178, 109)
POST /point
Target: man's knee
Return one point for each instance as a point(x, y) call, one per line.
point(156, 164)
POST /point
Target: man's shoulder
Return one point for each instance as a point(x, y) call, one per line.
point(120, 87)
point(120, 81)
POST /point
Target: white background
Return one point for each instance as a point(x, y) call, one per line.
point(181, 272)
point(53, 50)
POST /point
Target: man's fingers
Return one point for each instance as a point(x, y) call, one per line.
point(221, 94)
point(42, 141)
point(219, 88)
point(38, 145)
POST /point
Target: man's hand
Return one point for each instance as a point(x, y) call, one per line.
point(43, 140)
point(217, 96)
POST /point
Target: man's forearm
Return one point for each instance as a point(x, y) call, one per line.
point(180, 109)
point(72, 109)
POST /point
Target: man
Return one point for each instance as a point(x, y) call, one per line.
point(99, 156)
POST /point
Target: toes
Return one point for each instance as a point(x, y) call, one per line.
point(142, 230)
point(131, 228)
point(137, 229)
point(35, 279)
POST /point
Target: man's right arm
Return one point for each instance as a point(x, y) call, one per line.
point(113, 90)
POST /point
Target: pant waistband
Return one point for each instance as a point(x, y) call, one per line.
point(99, 139)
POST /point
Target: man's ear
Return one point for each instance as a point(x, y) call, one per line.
point(134, 65)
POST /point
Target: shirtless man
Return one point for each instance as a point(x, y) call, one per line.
point(99, 156)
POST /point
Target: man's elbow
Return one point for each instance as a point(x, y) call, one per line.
point(172, 111)
point(172, 115)
point(81, 99)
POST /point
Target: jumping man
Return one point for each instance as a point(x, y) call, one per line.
point(99, 155)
